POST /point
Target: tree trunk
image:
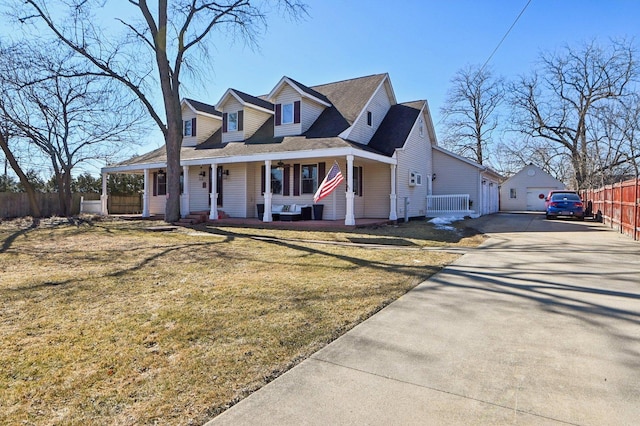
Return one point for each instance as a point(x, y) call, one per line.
point(31, 193)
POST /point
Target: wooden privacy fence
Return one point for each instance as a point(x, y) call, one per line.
point(619, 205)
point(17, 204)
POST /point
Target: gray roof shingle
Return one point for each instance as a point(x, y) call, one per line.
point(201, 106)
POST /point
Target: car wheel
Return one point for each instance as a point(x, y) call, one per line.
point(549, 217)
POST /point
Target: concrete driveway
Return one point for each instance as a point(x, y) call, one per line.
point(540, 325)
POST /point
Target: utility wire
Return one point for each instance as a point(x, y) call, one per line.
point(505, 36)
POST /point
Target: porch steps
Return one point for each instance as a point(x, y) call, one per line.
point(193, 218)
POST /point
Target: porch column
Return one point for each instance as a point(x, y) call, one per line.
point(184, 197)
point(104, 196)
point(349, 217)
point(267, 217)
point(145, 194)
point(213, 211)
point(393, 198)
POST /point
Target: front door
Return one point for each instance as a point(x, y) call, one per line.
point(218, 184)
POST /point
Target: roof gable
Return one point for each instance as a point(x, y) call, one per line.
point(201, 107)
point(246, 100)
point(304, 91)
point(351, 96)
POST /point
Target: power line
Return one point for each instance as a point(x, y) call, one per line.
point(505, 36)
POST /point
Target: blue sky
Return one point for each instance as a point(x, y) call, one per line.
point(420, 43)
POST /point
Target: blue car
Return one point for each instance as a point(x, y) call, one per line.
point(565, 204)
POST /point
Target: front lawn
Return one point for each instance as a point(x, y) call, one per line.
point(110, 323)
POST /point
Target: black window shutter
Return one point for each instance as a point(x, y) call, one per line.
point(193, 126)
point(224, 122)
point(155, 184)
point(360, 181)
point(262, 182)
point(296, 112)
point(322, 169)
point(240, 120)
point(296, 179)
point(286, 173)
point(278, 114)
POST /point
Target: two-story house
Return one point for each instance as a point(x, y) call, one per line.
point(249, 151)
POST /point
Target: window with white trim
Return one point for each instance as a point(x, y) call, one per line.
point(309, 176)
point(369, 118)
point(277, 179)
point(421, 127)
point(287, 113)
point(188, 130)
point(512, 193)
point(232, 122)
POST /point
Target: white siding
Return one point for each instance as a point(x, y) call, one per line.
point(188, 114)
point(253, 120)
point(156, 203)
point(198, 189)
point(234, 190)
point(376, 188)
point(454, 176)
point(379, 106)
point(309, 113)
point(206, 126)
point(415, 156)
point(232, 105)
point(285, 96)
point(539, 182)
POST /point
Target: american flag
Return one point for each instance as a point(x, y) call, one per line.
point(330, 182)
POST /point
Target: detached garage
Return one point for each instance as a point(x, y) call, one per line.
point(526, 190)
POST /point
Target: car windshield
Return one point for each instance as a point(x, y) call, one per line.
point(568, 197)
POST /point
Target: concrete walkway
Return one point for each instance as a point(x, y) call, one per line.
point(540, 325)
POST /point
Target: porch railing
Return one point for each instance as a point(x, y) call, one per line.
point(448, 205)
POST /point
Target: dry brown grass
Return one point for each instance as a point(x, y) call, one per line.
point(108, 323)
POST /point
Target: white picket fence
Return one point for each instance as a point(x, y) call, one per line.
point(448, 205)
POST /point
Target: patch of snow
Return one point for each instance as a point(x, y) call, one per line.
point(445, 222)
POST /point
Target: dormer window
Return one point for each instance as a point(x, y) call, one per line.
point(287, 113)
point(369, 119)
point(189, 127)
point(232, 124)
point(232, 121)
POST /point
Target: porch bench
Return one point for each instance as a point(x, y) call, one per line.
point(287, 212)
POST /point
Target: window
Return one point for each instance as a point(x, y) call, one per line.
point(232, 124)
point(512, 193)
point(357, 181)
point(189, 127)
point(287, 113)
point(369, 118)
point(161, 183)
point(276, 180)
point(309, 178)
point(421, 127)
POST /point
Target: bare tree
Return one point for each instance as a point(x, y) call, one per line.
point(470, 112)
point(7, 130)
point(168, 32)
point(562, 101)
point(70, 120)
